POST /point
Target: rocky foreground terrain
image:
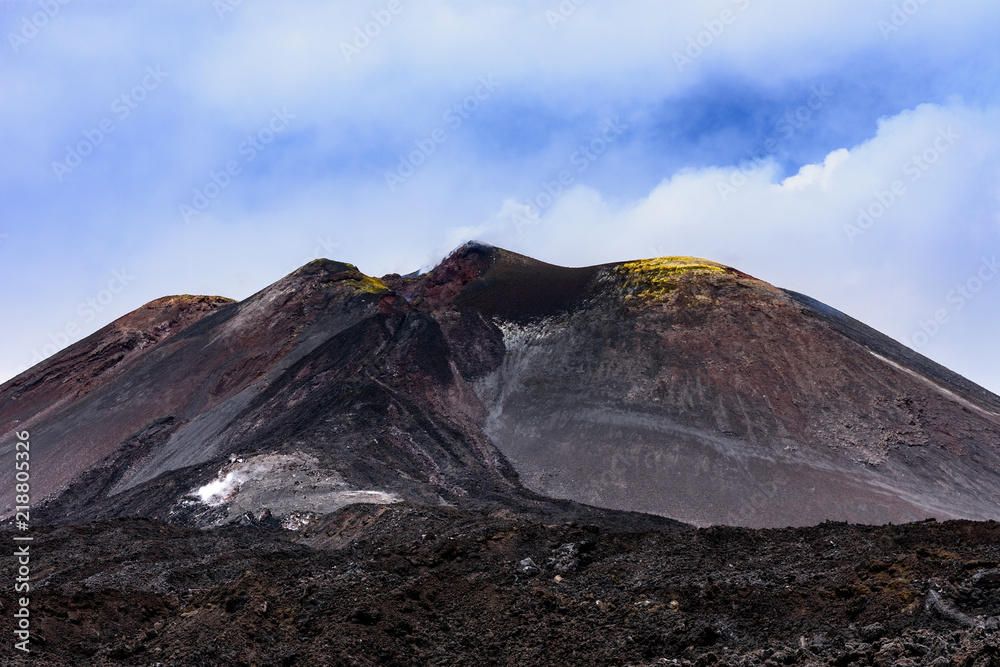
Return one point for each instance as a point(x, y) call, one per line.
point(504, 462)
point(411, 585)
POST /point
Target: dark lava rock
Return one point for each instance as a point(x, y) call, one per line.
point(500, 462)
point(139, 591)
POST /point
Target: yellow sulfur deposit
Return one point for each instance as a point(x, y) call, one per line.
point(653, 278)
point(370, 285)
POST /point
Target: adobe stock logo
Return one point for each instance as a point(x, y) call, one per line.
point(792, 121)
point(223, 7)
point(37, 21)
point(325, 247)
point(122, 107)
point(454, 117)
point(915, 168)
point(704, 39)
point(219, 180)
point(529, 212)
point(900, 16)
point(86, 311)
point(561, 12)
point(381, 19)
point(957, 299)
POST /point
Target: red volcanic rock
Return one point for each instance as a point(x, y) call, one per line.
point(57, 387)
point(675, 387)
point(107, 352)
point(691, 390)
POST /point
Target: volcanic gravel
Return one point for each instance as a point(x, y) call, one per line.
point(412, 585)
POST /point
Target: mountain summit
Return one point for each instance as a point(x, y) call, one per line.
point(675, 387)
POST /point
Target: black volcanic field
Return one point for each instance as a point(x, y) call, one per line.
point(503, 462)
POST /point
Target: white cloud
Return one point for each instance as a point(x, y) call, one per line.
point(797, 233)
point(325, 180)
point(817, 175)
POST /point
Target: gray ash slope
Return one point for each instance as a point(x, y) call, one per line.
point(674, 387)
point(322, 390)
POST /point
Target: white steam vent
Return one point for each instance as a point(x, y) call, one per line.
point(219, 491)
point(285, 484)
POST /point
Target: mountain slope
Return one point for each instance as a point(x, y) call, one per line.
point(689, 389)
point(321, 390)
point(677, 387)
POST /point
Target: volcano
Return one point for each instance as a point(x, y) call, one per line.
point(641, 393)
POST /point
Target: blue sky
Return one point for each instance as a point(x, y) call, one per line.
point(849, 150)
